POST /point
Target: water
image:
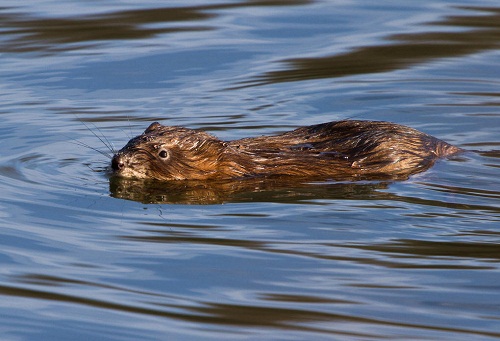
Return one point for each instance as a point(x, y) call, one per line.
point(85, 258)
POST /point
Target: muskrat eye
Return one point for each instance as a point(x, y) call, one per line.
point(163, 154)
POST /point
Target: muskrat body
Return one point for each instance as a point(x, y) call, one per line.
point(347, 149)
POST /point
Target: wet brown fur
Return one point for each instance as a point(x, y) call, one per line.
point(339, 150)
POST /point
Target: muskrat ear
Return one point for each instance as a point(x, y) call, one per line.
point(152, 127)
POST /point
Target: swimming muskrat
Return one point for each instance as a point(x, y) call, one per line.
point(347, 149)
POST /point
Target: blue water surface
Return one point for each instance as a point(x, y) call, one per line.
point(85, 259)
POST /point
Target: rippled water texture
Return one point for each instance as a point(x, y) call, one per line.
point(85, 257)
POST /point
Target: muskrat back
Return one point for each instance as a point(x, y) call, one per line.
point(347, 149)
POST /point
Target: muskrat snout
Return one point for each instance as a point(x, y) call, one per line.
point(117, 163)
point(123, 165)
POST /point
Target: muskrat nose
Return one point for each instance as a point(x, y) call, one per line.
point(117, 163)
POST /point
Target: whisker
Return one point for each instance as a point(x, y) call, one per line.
point(129, 126)
point(101, 138)
point(82, 144)
point(92, 169)
point(126, 134)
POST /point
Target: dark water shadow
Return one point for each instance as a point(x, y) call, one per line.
point(27, 33)
point(444, 250)
point(476, 33)
point(281, 190)
point(226, 314)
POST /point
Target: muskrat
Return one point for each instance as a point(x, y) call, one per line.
point(348, 149)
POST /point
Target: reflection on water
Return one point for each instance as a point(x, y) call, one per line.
point(286, 190)
point(424, 248)
point(482, 34)
point(213, 313)
point(34, 34)
point(48, 33)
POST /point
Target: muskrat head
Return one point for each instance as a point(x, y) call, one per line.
point(170, 153)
